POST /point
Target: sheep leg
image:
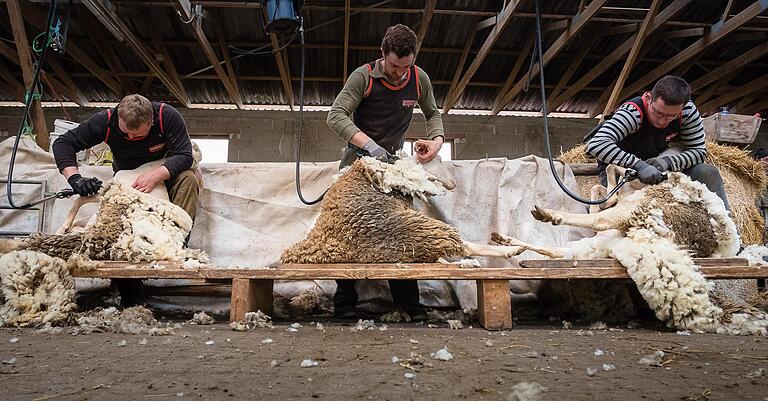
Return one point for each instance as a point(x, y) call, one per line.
point(598, 191)
point(70, 219)
point(10, 245)
point(552, 252)
point(604, 220)
point(472, 249)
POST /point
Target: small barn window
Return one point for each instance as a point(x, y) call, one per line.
point(213, 150)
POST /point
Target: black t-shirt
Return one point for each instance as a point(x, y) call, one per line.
point(168, 137)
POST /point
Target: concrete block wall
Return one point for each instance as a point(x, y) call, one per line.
point(269, 136)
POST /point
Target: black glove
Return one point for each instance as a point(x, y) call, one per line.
point(84, 186)
point(648, 174)
point(661, 163)
point(377, 152)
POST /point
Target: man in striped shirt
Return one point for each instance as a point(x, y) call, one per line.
point(659, 131)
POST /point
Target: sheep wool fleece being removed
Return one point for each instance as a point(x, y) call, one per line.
point(654, 233)
point(367, 216)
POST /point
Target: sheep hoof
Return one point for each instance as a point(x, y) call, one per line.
point(546, 216)
point(498, 239)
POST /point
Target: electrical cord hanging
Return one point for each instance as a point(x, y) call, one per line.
point(630, 173)
point(300, 133)
point(28, 99)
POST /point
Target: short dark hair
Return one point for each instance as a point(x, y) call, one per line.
point(399, 39)
point(672, 90)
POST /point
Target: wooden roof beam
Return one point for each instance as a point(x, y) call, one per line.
point(757, 107)
point(37, 18)
point(227, 60)
point(39, 125)
point(345, 74)
point(743, 90)
point(138, 46)
point(462, 60)
point(159, 46)
point(504, 17)
point(282, 65)
point(633, 56)
point(66, 85)
point(234, 95)
point(616, 55)
point(429, 11)
point(512, 76)
point(731, 66)
point(110, 57)
point(715, 34)
point(579, 21)
point(588, 40)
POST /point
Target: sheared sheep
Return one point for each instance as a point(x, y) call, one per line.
point(654, 232)
point(367, 217)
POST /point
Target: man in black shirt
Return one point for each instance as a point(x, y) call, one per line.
point(137, 132)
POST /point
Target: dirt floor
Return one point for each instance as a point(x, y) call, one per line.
point(214, 362)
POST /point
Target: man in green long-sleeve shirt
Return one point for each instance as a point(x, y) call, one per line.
point(372, 113)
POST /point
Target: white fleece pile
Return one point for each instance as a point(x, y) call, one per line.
point(406, 176)
point(37, 288)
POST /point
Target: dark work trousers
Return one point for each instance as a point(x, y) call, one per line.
point(405, 293)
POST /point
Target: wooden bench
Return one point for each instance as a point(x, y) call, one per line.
point(252, 288)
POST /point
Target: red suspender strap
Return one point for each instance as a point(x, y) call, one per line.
point(109, 117)
point(418, 88)
point(162, 131)
point(370, 81)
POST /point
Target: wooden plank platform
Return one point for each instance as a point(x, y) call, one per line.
point(252, 287)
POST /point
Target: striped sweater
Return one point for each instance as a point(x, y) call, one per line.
point(627, 120)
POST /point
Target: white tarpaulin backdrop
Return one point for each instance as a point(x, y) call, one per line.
point(249, 212)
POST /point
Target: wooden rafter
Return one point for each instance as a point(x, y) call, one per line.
point(141, 50)
point(462, 61)
point(147, 84)
point(234, 95)
point(37, 18)
point(159, 46)
point(65, 83)
point(743, 90)
point(716, 33)
point(282, 66)
point(346, 41)
point(429, 11)
point(587, 41)
point(15, 88)
point(642, 33)
point(110, 57)
point(227, 60)
point(515, 68)
point(504, 17)
point(731, 66)
point(757, 107)
point(608, 61)
point(579, 21)
point(727, 10)
point(716, 88)
point(742, 104)
point(40, 128)
point(69, 87)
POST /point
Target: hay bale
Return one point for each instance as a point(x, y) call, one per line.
point(577, 155)
point(745, 180)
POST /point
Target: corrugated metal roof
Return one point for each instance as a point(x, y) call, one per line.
point(259, 78)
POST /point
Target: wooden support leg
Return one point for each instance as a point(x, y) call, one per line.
point(494, 306)
point(250, 295)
